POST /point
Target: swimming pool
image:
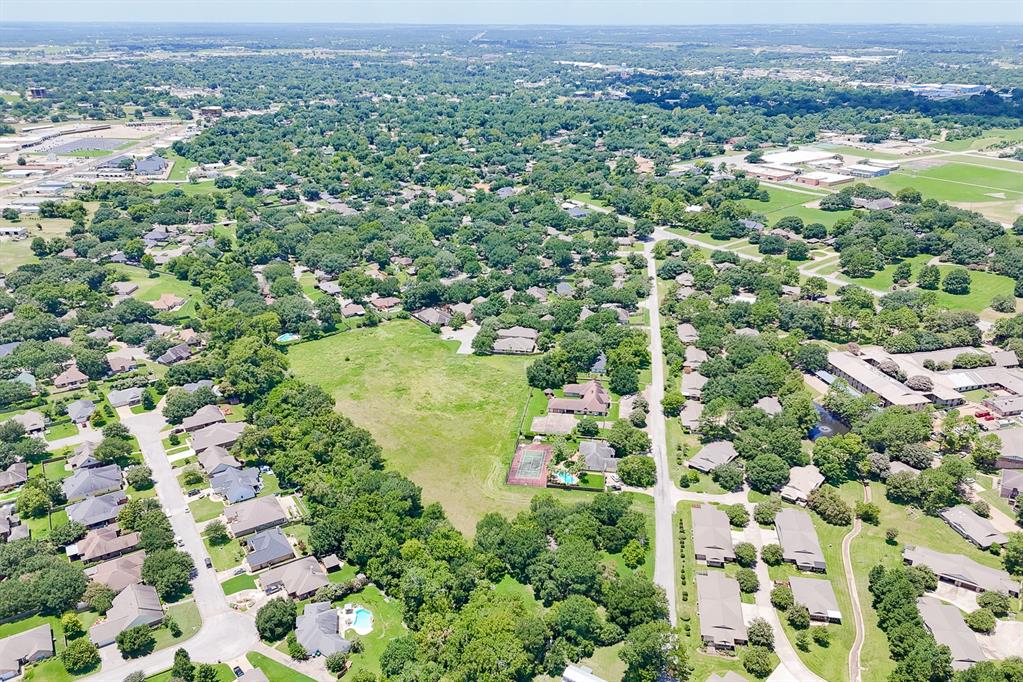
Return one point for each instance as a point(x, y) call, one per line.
point(566, 478)
point(287, 338)
point(363, 623)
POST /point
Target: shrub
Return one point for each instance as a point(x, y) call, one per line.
point(80, 655)
point(728, 476)
point(336, 662)
point(981, 620)
point(772, 555)
point(891, 535)
point(216, 532)
point(756, 660)
point(868, 512)
point(764, 512)
point(746, 554)
point(981, 508)
point(829, 506)
point(295, 649)
point(798, 616)
point(135, 642)
point(995, 602)
point(72, 625)
point(821, 635)
point(760, 633)
point(737, 515)
point(781, 598)
point(803, 640)
point(192, 476)
point(748, 581)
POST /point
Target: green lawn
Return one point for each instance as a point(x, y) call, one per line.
point(988, 138)
point(239, 583)
point(956, 182)
point(205, 509)
point(189, 188)
point(224, 674)
point(40, 528)
point(56, 471)
point(89, 153)
point(784, 202)
point(187, 616)
point(271, 486)
point(274, 671)
point(447, 421)
point(151, 288)
point(62, 430)
point(15, 253)
point(181, 166)
point(225, 556)
point(387, 625)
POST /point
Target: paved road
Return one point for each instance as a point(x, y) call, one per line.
point(225, 633)
point(855, 671)
point(664, 500)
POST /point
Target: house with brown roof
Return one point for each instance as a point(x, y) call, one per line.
point(225, 435)
point(962, 571)
point(712, 455)
point(802, 481)
point(203, 417)
point(136, 605)
point(386, 304)
point(712, 536)
point(100, 544)
point(168, 302)
point(818, 596)
point(13, 476)
point(70, 379)
point(254, 515)
point(514, 346)
point(589, 398)
point(23, 648)
point(118, 573)
point(216, 459)
point(433, 316)
point(121, 363)
point(33, 422)
point(298, 579)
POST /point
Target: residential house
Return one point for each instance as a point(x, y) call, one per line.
point(93, 481)
point(225, 435)
point(352, 310)
point(818, 596)
point(802, 481)
point(514, 346)
point(253, 675)
point(28, 380)
point(100, 544)
point(178, 353)
point(433, 316)
point(11, 528)
point(23, 648)
point(13, 476)
point(720, 610)
point(579, 673)
point(770, 405)
point(1011, 485)
point(254, 515)
point(690, 415)
point(589, 398)
point(266, 548)
point(136, 605)
point(84, 456)
point(712, 455)
point(961, 571)
point(798, 540)
point(298, 579)
point(692, 385)
point(236, 485)
point(216, 459)
point(386, 304)
point(32, 421)
point(712, 536)
point(101, 334)
point(553, 424)
point(694, 357)
point(125, 397)
point(80, 410)
point(972, 526)
point(124, 288)
point(121, 363)
point(518, 333)
point(8, 348)
point(118, 573)
point(168, 302)
point(945, 622)
point(96, 511)
point(203, 417)
point(70, 379)
point(598, 456)
point(687, 333)
point(318, 630)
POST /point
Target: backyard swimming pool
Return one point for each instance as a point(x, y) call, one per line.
point(363, 623)
point(566, 478)
point(288, 338)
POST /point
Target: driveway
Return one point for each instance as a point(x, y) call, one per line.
point(464, 336)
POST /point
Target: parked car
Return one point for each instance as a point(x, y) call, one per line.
point(209, 562)
point(238, 672)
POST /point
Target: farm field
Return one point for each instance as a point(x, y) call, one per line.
point(447, 421)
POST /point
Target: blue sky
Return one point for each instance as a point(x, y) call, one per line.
point(584, 12)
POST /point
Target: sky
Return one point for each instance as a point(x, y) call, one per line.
point(578, 12)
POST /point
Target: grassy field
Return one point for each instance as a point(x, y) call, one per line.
point(225, 556)
point(179, 171)
point(987, 139)
point(187, 616)
point(387, 625)
point(447, 421)
point(860, 153)
point(958, 182)
point(274, 671)
point(786, 202)
point(15, 253)
point(189, 188)
point(151, 288)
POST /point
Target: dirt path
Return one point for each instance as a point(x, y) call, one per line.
point(854, 653)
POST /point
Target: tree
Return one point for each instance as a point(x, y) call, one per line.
point(336, 662)
point(99, 597)
point(275, 619)
point(1003, 303)
point(652, 650)
point(756, 660)
point(764, 512)
point(139, 477)
point(588, 427)
point(781, 596)
point(995, 602)
point(168, 571)
point(957, 281)
point(981, 620)
point(909, 195)
point(295, 648)
point(33, 503)
point(623, 379)
point(891, 535)
point(821, 635)
point(839, 458)
point(638, 470)
point(745, 554)
point(216, 532)
point(672, 403)
point(632, 600)
point(80, 655)
point(797, 250)
point(135, 642)
point(868, 512)
point(634, 555)
point(737, 515)
point(772, 554)
point(183, 669)
point(748, 581)
point(798, 616)
point(830, 506)
point(1012, 553)
point(929, 277)
point(760, 633)
point(72, 625)
point(135, 677)
point(206, 672)
point(728, 476)
point(767, 472)
point(627, 440)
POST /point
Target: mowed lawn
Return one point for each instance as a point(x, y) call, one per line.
point(786, 202)
point(448, 421)
point(958, 182)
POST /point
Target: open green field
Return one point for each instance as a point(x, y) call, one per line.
point(448, 421)
point(15, 253)
point(274, 671)
point(958, 182)
point(989, 138)
point(186, 614)
point(179, 171)
point(189, 188)
point(151, 288)
point(238, 583)
point(859, 153)
point(785, 202)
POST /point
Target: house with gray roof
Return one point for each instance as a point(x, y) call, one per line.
point(80, 410)
point(84, 456)
point(23, 648)
point(687, 333)
point(8, 348)
point(136, 605)
point(95, 481)
point(962, 571)
point(96, 511)
point(33, 422)
point(318, 630)
point(720, 610)
point(580, 673)
point(514, 346)
point(690, 415)
point(151, 165)
point(298, 579)
point(254, 515)
point(818, 596)
point(1010, 485)
point(127, 396)
point(802, 482)
point(13, 476)
point(433, 316)
point(972, 526)
point(770, 405)
point(236, 485)
point(266, 548)
point(216, 459)
point(597, 456)
point(100, 544)
point(222, 435)
point(945, 622)
point(178, 353)
point(692, 385)
point(253, 675)
point(26, 379)
point(712, 455)
point(712, 536)
point(694, 357)
point(798, 540)
point(118, 573)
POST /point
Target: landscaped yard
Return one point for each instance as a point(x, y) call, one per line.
point(239, 583)
point(225, 556)
point(40, 528)
point(205, 509)
point(447, 421)
point(62, 430)
point(151, 288)
point(387, 625)
point(274, 671)
point(187, 616)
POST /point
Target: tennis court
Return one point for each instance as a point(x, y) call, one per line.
point(529, 465)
